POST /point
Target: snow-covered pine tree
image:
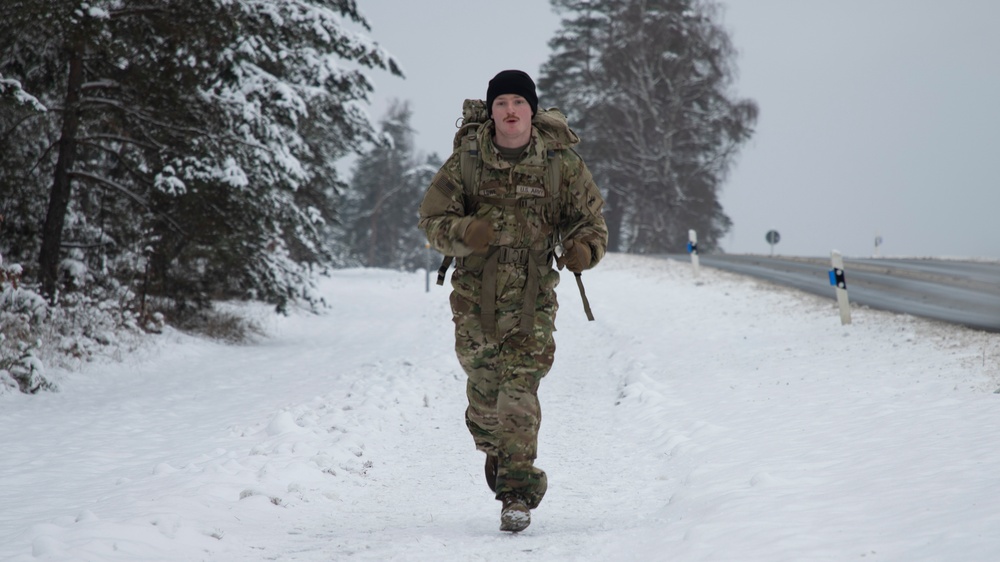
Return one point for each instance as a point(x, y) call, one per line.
point(187, 151)
point(387, 185)
point(647, 83)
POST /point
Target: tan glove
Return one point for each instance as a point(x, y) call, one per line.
point(576, 257)
point(478, 235)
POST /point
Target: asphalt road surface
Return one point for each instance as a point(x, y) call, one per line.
point(959, 292)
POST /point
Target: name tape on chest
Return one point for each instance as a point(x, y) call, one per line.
point(530, 190)
point(520, 190)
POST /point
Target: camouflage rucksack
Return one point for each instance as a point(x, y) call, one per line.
point(557, 135)
point(551, 125)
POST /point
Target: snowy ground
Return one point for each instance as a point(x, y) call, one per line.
point(709, 418)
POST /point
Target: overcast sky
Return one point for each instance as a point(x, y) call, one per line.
point(878, 117)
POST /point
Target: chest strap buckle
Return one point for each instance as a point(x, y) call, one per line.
point(506, 254)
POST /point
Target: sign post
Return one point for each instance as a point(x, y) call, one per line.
point(692, 248)
point(772, 238)
point(838, 280)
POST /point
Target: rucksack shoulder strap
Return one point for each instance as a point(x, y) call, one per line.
point(553, 175)
point(469, 161)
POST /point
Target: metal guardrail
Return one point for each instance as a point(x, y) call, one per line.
point(960, 292)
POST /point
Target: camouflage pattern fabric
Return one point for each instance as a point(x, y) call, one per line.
point(504, 413)
point(504, 371)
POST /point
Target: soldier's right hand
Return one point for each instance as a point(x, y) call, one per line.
point(478, 235)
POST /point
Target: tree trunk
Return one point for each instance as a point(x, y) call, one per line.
point(59, 197)
point(373, 225)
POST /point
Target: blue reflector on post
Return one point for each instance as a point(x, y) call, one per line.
point(837, 278)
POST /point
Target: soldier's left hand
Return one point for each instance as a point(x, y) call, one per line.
point(576, 256)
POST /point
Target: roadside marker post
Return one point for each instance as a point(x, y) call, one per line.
point(692, 249)
point(838, 280)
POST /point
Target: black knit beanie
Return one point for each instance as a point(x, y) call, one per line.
point(511, 82)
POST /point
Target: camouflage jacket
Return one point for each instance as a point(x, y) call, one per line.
point(574, 212)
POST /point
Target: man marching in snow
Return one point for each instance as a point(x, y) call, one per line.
point(510, 198)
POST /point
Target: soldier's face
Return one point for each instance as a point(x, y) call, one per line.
point(512, 116)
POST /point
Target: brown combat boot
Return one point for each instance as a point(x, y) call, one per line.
point(515, 515)
point(492, 462)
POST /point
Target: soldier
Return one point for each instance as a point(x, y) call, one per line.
point(511, 196)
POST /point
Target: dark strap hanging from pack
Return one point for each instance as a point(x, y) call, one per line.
point(488, 295)
point(443, 270)
point(530, 296)
point(583, 295)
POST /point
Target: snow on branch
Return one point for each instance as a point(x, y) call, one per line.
point(10, 88)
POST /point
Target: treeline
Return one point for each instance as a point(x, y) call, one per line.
point(159, 155)
point(388, 182)
point(648, 86)
point(156, 157)
point(183, 147)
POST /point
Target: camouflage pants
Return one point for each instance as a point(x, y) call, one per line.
point(503, 377)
